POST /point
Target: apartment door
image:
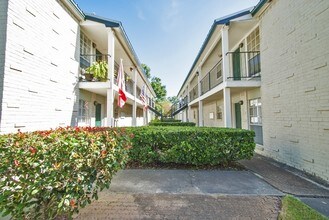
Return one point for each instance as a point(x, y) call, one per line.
point(238, 121)
point(98, 116)
point(236, 65)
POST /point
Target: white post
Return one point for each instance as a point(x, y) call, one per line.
point(200, 102)
point(135, 97)
point(110, 92)
point(227, 108)
point(225, 49)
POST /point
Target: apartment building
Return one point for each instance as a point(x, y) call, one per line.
point(266, 69)
point(46, 48)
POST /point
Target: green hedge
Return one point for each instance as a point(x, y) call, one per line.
point(170, 120)
point(190, 124)
point(191, 145)
point(48, 173)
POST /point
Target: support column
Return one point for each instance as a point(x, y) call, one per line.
point(200, 123)
point(110, 92)
point(227, 108)
point(134, 123)
point(225, 49)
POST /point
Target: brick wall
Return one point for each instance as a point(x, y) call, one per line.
point(41, 69)
point(295, 91)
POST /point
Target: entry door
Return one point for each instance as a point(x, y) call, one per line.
point(98, 116)
point(236, 65)
point(238, 123)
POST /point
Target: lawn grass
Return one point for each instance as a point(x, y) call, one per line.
point(293, 208)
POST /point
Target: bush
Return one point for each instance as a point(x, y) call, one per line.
point(50, 173)
point(190, 124)
point(170, 120)
point(190, 145)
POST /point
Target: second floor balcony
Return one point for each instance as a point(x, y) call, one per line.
point(244, 65)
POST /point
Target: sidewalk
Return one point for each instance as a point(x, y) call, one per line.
point(185, 194)
point(290, 181)
point(205, 194)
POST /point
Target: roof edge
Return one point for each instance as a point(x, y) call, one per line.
point(257, 8)
point(107, 22)
point(220, 21)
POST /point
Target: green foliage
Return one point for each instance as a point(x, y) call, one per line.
point(99, 70)
point(45, 174)
point(147, 70)
point(173, 99)
point(191, 145)
point(294, 209)
point(159, 89)
point(170, 120)
point(191, 124)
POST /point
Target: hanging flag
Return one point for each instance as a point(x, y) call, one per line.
point(143, 96)
point(121, 84)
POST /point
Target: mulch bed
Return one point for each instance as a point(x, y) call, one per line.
point(231, 166)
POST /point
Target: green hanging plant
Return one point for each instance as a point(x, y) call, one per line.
point(99, 70)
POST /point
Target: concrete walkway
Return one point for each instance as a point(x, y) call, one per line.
point(185, 194)
point(215, 194)
point(290, 181)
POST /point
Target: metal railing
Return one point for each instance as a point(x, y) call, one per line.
point(194, 93)
point(179, 106)
point(87, 60)
point(213, 78)
point(244, 65)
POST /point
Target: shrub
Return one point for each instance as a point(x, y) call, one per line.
point(170, 120)
point(191, 124)
point(50, 173)
point(191, 145)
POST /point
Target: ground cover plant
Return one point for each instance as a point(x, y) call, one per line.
point(294, 209)
point(190, 145)
point(46, 174)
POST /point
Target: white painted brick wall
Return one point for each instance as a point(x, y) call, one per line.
point(41, 68)
point(295, 91)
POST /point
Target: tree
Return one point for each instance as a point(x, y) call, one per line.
point(159, 89)
point(147, 70)
point(173, 99)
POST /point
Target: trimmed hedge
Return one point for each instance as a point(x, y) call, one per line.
point(190, 145)
point(190, 124)
point(45, 174)
point(170, 120)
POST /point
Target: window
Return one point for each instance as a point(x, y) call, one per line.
point(219, 71)
point(255, 109)
point(83, 116)
point(219, 114)
point(253, 42)
point(85, 50)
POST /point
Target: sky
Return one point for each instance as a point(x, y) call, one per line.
point(166, 34)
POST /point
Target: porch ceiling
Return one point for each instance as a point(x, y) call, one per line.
point(98, 33)
point(238, 30)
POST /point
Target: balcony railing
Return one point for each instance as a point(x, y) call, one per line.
point(176, 108)
point(213, 78)
point(244, 65)
point(194, 93)
point(86, 61)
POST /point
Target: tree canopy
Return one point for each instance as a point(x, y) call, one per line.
point(147, 70)
point(159, 89)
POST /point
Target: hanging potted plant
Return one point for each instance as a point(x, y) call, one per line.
point(98, 70)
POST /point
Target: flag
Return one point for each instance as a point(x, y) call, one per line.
point(143, 96)
point(121, 84)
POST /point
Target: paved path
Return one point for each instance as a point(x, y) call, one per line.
point(190, 194)
point(203, 182)
point(290, 181)
point(185, 194)
point(283, 179)
point(170, 206)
